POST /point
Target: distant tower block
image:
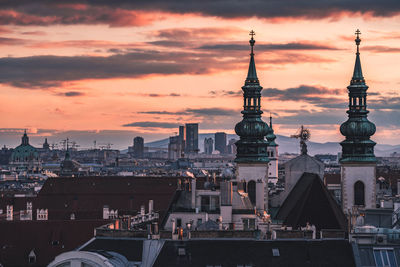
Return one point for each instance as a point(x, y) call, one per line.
point(272, 154)
point(251, 157)
point(358, 162)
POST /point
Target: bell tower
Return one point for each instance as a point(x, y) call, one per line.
point(251, 157)
point(358, 162)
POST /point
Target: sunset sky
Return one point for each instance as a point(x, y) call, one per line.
point(112, 70)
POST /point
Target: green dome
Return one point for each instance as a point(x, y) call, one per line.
point(358, 127)
point(252, 129)
point(24, 152)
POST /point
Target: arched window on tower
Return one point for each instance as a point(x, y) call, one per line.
point(359, 193)
point(251, 190)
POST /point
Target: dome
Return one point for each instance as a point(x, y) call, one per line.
point(360, 127)
point(252, 129)
point(24, 153)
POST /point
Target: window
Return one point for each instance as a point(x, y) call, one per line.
point(359, 195)
point(384, 257)
point(199, 222)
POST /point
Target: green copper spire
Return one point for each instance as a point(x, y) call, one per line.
point(252, 73)
point(357, 74)
point(357, 147)
point(252, 146)
point(271, 136)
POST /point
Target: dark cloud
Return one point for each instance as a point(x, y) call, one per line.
point(40, 33)
point(199, 112)
point(51, 71)
point(12, 41)
point(130, 12)
point(321, 96)
point(226, 93)
point(382, 49)
point(152, 124)
point(163, 95)
point(73, 93)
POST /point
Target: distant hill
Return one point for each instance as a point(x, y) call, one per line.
point(290, 145)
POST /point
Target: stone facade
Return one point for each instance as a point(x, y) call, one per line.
point(352, 173)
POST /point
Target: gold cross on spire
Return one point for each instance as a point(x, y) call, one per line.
point(252, 33)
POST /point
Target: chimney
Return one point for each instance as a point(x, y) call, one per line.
point(226, 193)
point(173, 226)
point(193, 193)
point(151, 206)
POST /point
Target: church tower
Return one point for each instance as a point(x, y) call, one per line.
point(251, 157)
point(272, 154)
point(358, 162)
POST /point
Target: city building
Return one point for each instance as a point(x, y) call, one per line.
point(25, 157)
point(220, 142)
point(138, 147)
point(358, 162)
point(182, 135)
point(231, 147)
point(252, 158)
point(272, 154)
point(192, 138)
point(208, 146)
point(175, 148)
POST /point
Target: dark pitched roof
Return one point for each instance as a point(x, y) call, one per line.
point(310, 201)
point(47, 238)
point(235, 252)
point(86, 196)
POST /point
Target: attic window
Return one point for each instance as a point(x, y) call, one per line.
point(181, 251)
point(275, 252)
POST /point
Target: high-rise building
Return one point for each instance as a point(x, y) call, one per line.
point(251, 157)
point(220, 142)
point(138, 147)
point(208, 146)
point(174, 147)
point(192, 138)
point(182, 137)
point(358, 162)
point(272, 151)
point(231, 148)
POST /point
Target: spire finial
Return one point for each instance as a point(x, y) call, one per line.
point(357, 74)
point(252, 73)
point(252, 41)
point(270, 120)
point(358, 40)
